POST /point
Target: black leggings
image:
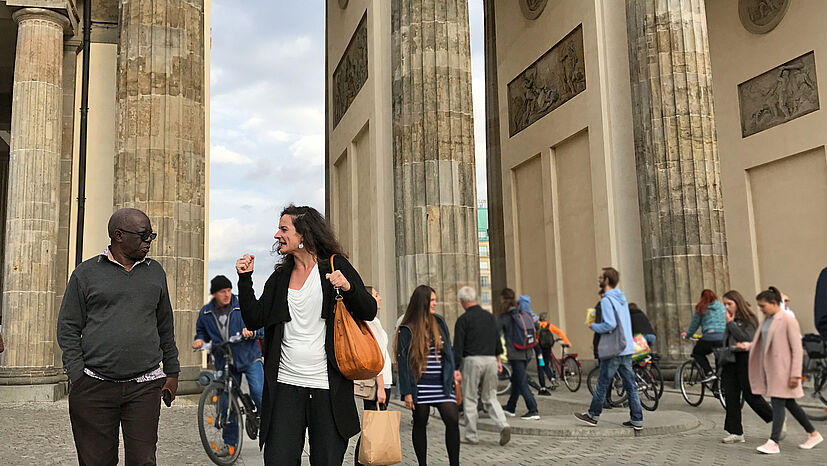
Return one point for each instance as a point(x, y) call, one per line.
point(778, 415)
point(450, 416)
point(702, 348)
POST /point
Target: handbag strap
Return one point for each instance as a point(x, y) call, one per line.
point(333, 269)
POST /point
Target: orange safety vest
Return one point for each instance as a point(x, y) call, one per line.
point(555, 330)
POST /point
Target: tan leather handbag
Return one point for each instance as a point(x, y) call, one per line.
point(357, 352)
point(366, 389)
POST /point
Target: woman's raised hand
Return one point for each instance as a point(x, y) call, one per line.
point(245, 264)
point(338, 280)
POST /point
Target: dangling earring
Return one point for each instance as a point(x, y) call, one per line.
point(301, 245)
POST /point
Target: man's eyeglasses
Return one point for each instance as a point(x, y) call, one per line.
point(145, 235)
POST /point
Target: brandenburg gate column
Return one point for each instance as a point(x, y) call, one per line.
point(160, 160)
point(679, 188)
point(29, 311)
point(433, 159)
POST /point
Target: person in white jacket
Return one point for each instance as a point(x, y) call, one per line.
point(385, 378)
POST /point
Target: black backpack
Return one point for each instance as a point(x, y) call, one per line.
point(545, 337)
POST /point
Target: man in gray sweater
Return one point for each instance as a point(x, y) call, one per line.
point(115, 328)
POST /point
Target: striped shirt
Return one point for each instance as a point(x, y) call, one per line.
point(429, 386)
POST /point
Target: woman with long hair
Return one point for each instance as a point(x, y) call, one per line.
point(385, 378)
point(709, 316)
point(425, 361)
point(741, 323)
point(775, 356)
point(303, 388)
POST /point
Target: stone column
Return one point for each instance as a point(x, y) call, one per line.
point(679, 188)
point(494, 169)
point(29, 311)
point(159, 166)
point(433, 137)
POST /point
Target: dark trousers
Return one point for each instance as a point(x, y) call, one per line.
point(545, 370)
point(735, 382)
point(778, 415)
point(703, 348)
point(371, 405)
point(519, 386)
point(97, 409)
point(298, 409)
point(449, 413)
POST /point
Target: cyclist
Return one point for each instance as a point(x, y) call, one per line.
point(217, 321)
point(641, 325)
point(709, 315)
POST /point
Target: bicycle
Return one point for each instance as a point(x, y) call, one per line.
point(223, 406)
point(647, 383)
point(815, 368)
point(569, 370)
point(692, 385)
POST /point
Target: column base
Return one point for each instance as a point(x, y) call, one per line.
point(39, 392)
point(188, 380)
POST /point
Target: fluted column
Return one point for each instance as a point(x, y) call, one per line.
point(679, 189)
point(159, 166)
point(29, 311)
point(435, 192)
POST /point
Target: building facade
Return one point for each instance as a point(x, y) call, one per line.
point(485, 292)
point(144, 146)
point(678, 142)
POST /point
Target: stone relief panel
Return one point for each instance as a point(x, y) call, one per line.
point(532, 9)
point(781, 94)
point(351, 73)
point(548, 83)
point(761, 16)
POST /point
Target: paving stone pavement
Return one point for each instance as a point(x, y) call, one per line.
point(40, 434)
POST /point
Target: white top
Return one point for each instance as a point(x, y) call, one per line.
point(382, 339)
point(303, 360)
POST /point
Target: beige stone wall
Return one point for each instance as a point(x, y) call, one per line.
point(360, 161)
point(100, 151)
point(775, 181)
point(569, 188)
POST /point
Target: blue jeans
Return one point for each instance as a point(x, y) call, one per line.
point(608, 368)
point(255, 379)
point(519, 386)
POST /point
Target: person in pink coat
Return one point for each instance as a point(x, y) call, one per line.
point(775, 355)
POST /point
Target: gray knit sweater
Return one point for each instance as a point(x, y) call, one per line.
point(115, 322)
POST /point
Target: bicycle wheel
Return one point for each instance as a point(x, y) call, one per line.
point(591, 379)
point(616, 394)
point(572, 375)
point(647, 388)
point(216, 420)
point(504, 381)
point(692, 388)
point(658, 376)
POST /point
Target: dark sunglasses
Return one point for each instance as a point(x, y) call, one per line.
point(145, 235)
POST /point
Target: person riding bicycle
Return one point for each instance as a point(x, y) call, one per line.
point(217, 321)
point(710, 316)
point(641, 325)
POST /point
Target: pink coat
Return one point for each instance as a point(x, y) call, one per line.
point(770, 369)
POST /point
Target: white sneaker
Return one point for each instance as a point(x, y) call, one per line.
point(812, 440)
point(733, 438)
point(769, 448)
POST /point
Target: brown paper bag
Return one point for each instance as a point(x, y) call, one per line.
point(380, 444)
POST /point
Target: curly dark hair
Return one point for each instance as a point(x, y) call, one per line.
point(317, 235)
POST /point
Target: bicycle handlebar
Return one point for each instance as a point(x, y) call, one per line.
point(208, 346)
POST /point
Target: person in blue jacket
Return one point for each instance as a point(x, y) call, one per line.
point(218, 320)
point(710, 316)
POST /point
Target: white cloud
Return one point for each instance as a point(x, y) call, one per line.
point(309, 149)
point(220, 154)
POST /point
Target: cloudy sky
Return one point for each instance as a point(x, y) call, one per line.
point(267, 122)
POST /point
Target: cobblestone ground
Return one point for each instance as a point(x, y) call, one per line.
point(40, 434)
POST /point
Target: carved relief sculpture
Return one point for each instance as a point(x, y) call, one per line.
point(761, 16)
point(779, 95)
point(351, 73)
point(532, 8)
point(549, 82)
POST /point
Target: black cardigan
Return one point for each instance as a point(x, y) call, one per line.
point(271, 312)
